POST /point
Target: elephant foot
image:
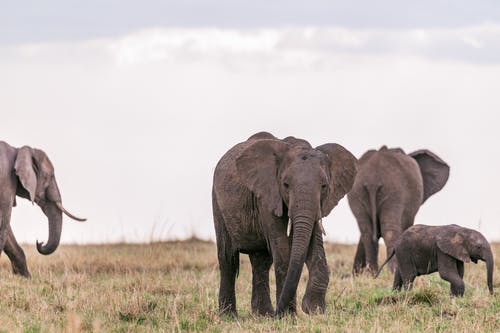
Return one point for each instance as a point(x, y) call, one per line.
point(23, 272)
point(457, 291)
point(288, 310)
point(228, 313)
point(314, 304)
point(263, 310)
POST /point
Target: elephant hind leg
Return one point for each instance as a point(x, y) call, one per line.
point(359, 259)
point(390, 236)
point(261, 296)
point(229, 261)
point(371, 252)
point(398, 281)
point(16, 255)
point(228, 266)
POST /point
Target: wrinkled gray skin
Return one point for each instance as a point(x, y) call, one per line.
point(261, 184)
point(424, 249)
point(29, 174)
point(388, 191)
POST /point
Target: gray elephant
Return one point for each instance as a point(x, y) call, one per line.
point(424, 249)
point(261, 184)
point(29, 174)
point(388, 191)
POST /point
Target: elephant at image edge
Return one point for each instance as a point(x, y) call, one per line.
point(424, 249)
point(388, 191)
point(29, 174)
point(259, 186)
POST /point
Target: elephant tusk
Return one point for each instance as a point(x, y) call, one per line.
point(289, 228)
point(320, 225)
point(60, 206)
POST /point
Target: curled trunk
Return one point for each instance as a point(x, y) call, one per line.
point(54, 216)
point(302, 230)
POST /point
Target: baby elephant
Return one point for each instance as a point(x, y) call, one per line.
point(424, 249)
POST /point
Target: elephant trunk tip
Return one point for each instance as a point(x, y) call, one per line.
point(45, 249)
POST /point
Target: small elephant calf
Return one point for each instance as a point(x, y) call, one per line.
point(424, 249)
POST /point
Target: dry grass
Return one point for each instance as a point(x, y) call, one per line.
point(173, 286)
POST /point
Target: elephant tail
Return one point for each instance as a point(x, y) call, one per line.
point(393, 252)
point(372, 194)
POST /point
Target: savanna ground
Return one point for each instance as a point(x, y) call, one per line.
point(173, 286)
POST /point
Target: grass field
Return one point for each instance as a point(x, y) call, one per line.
point(173, 286)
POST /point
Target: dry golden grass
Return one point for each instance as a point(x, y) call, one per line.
point(173, 286)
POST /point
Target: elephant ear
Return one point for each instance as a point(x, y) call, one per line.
point(452, 243)
point(343, 169)
point(25, 170)
point(258, 166)
point(434, 170)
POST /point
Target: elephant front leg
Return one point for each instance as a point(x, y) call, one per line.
point(281, 258)
point(319, 276)
point(448, 270)
point(4, 226)
point(16, 255)
point(261, 299)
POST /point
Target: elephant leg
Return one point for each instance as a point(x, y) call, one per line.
point(448, 270)
point(460, 268)
point(16, 255)
point(390, 225)
point(359, 259)
point(280, 246)
point(371, 252)
point(4, 226)
point(319, 275)
point(406, 271)
point(261, 299)
point(398, 281)
point(228, 266)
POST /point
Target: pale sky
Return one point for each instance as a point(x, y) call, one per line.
point(135, 106)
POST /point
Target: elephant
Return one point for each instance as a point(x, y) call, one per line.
point(28, 173)
point(424, 249)
point(388, 191)
point(259, 186)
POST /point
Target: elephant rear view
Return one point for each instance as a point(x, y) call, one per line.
point(388, 191)
point(262, 188)
point(28, 173)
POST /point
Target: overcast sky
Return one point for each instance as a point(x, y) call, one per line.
point(135, 105)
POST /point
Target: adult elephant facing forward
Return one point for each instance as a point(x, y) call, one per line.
point(389, 189)
point(261, 184)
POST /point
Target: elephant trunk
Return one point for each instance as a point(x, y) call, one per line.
point(302, 229)
point(488, 257)
point(54, 215)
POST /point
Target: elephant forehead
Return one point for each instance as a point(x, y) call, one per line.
point(301, 153)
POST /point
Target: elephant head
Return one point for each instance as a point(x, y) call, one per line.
point(37, 183)
point(294, 180)
point(465, 245)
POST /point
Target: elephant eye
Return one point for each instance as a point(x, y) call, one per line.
point(286, 185)
point(323, 187)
